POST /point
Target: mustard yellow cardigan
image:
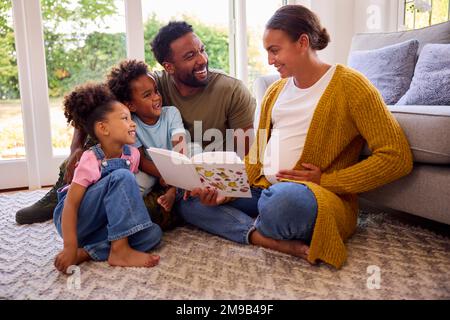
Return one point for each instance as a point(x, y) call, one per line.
point(350, 111)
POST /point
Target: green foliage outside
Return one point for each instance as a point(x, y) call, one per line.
point(76, 56)
point(8, 65)
point(215, 40)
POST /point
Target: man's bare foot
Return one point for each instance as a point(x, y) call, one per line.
point(82, 256)
point(123, 255)
point(293, 247)
point(167, 200)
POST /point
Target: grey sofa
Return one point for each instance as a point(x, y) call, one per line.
point(426, 191)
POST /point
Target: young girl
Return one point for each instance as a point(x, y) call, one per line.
point(156, 126)
point(101, 215)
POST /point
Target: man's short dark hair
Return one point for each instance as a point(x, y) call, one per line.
point(166, 35)
point(120, 77)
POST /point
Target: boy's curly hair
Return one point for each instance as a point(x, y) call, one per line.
point(120, 77)
point(166, 35)
point(88, 104)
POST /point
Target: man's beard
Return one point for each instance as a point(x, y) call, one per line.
point(191, 81)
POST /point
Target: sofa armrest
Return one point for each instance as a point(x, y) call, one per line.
point(260, 86)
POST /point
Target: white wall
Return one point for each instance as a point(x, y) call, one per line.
point(344, 18)
point(306, 3)
point(376, 15)
point(337, 17)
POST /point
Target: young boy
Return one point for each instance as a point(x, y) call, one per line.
point(156, 126)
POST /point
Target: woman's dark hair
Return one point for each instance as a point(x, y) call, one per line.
point(296, 20)
point(120, 77)
point(166, 35)
point(88, 104)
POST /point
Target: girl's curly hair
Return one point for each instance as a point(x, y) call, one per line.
point(120, 77)
point(88, 104)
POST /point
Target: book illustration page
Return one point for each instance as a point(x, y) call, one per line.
point(230, 180)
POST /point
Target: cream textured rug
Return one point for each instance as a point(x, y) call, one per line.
point(407, 263)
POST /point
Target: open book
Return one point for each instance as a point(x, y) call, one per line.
point(223, 170)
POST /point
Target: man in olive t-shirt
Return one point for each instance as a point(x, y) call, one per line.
point(209, 97)
point(224, 103)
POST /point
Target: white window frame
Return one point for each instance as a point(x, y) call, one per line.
point(134, 30)
point(40, 166)
point(238, 40)
point(401, 15)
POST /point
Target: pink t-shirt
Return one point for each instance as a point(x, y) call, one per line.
point(88, 172)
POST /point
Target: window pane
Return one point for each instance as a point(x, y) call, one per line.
point(208, 18)
point(83, 39)
point(440, 11)
point(12, 144)
point(423, 13)
point(409, 15)
point(257, 17)
point(423, 19)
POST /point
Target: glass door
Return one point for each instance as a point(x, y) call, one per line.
point(12, 140)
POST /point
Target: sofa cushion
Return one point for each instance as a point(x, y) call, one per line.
point(390, 68)
point(439, 33)
point(426, 128)
point(431, 82)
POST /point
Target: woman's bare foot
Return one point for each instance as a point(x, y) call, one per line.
point(123, 255)
point(293, 247)
point(82, 256)
point(167, 200)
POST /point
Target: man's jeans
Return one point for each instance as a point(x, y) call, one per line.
point(112, 209)
point(285, 210)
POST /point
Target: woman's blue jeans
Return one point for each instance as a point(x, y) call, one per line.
point(284, 211)
point(112, 209)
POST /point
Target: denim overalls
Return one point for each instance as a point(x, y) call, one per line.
point(111, 209)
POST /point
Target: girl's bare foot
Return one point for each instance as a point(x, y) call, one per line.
point(123, 255)
point(167, 200)
point(293, 247)
point(82, 256)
